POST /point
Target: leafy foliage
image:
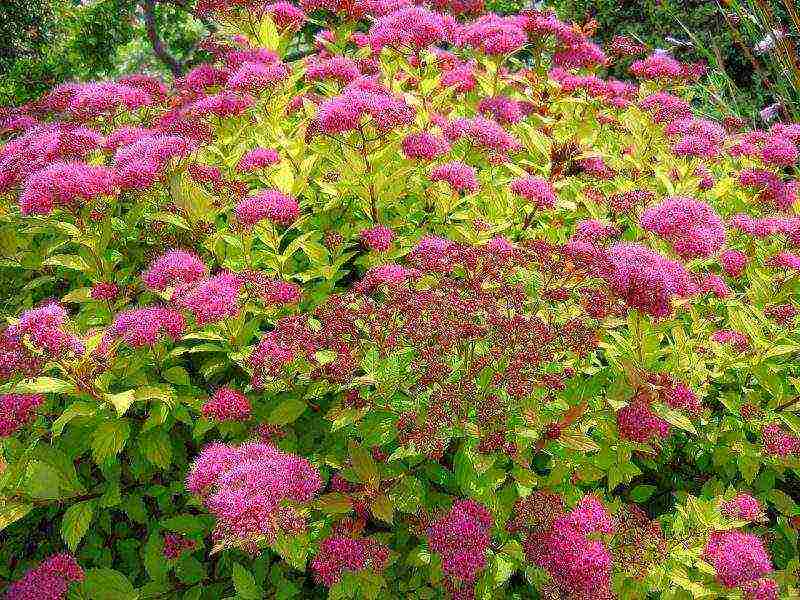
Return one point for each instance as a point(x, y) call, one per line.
point(438, 311)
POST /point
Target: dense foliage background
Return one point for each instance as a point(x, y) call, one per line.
point(379, 300)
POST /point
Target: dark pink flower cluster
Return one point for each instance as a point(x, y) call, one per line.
point(378, 238)
point(257, 158)
point(733, 338)
point(461, 537)
point(271, 291)
point(65, 184)
point(338, 554)
point(637, 422)
point(254, 77)
point(176, 545)
point(742, 507)
point(227, 404)
point(222, 105)
point(645, 280)
point(95, 99)
point(49, 581)
point(247, 488)
point(173, 269)
point(578, 562)
point(140, 327)
point(459, 176)
point(269, 204)
point(778, 442)
point(733, 262)
point(16, 411)
point(212, 299)
point(760, 589)
point(535, 190)
point(424, 145)
point(105, 290)
point(737, 557)
point(355, 107)
point(285, 15)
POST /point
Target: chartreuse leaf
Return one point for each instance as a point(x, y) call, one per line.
point(109, 439)
point(108, 584)
point(245, 583)
point(75, 523)
point(287, 411)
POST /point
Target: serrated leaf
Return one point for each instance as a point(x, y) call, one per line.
point(156, 447)
point(108, 584)
point(122, 401)
point(109, 439)
point(245, 583)
point(287, 411)
point(76, 409)
point(75, 523)
point(364, 465)
point(642, 493)
point(44, 385)
point(382, 508)
point(11, 512)
point(176, 375)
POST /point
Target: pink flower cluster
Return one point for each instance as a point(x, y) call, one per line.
point(247, 487)
point(663, 66)
point(65, 184)
point(459, 176)
point(257, 158)
point(378, 238)
point(742, 507)
point(269, 204)
point(140, 327)
point(212, 299)
point(493, 35)
point(338, 554)
point(693, 228)
point(735, 339)
point(461, 537)
point(737, 557)
point(16, 411)
point(637, 422)
point(44, 327)
point(140, 164)
point(173, 269)
point(350, 110)
point(49, 581)
point(273, 292)
point(482, 133)
point(645, 280)
point(338, 68)
point(409, 29)
point(579, 565)
point(535, 190)
point(227, 404)
point(424, 145)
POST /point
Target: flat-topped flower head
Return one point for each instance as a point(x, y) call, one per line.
point(213, 299)
point(257, 158)
point(693, 228)
point(227, 404)
point(174, 268)
point(461, 537)
point(66, 185)
point(535, 190)
point(269, 205)
point(459, 176)
point(737, 557)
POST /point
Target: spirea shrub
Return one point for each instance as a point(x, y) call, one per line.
point(437, 311)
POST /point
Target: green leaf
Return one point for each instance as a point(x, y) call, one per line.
point(45, 385)
point(75, 523)
point(122, 401)
point(177, 376)
point(748, 467)
point(383, 509)
point(43, 481)
point(11, 512)
point(641, 493)
point(68, 261)
point(185, 524)
point(156, 447)
point(334, 503)
point(109, 439)
point(108, 584)
point(76, 409)
point(364, 465)
point(153, 558)
point(245, 583)
point(287, 411)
